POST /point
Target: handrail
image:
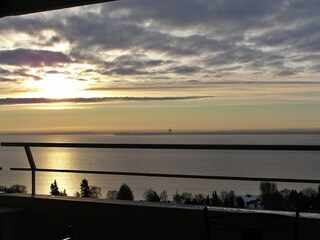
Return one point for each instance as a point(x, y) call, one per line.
point(166, 175)
point(168, 146)
point(33, 168)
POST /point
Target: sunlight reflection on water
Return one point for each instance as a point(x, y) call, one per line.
point(56, 158)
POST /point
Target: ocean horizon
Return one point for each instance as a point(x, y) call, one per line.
point(174, 132)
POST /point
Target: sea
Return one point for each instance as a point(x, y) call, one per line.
point(276, 164)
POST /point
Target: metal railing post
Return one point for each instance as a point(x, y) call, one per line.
point(33, 169)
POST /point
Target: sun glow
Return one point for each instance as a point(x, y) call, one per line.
point(58, 86)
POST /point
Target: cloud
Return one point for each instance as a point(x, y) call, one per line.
point(147, 41)
point(124, 71)
point(32, 57)
point(315, 68)
point(3, 79)
point(4, 71)
point(23, 72)
point(23, 101)
point(16, 75)
point(261, 82)
point(135, 61)
point(140, 88)
point(185, 69)
point(286, 72)
point(192, 13)
point(135, 64)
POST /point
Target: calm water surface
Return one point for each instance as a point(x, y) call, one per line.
point(227, 163)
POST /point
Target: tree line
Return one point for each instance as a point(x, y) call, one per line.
point(86, 191)
point(16, 188)
point(270, 198)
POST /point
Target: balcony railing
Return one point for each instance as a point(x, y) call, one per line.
point(33, 168)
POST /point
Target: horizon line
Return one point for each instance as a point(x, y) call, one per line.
point(170, 132)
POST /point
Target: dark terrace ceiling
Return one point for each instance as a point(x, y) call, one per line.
point(19, 7)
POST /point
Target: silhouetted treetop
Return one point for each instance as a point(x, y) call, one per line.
point(84, 188)
point(125, 193)
point(54, 189)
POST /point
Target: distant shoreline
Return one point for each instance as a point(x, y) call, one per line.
point(285, 132)
point(176, 133)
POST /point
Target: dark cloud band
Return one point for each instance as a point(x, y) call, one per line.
point(25, 101)
point(31, 57)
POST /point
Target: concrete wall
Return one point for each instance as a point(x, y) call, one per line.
point(48, 218)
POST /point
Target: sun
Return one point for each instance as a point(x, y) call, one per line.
point(59, 86)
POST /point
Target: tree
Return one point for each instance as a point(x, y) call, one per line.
point(271, 198)
point(309, 192)
point(95, 192)
point(177, 197)
point(216, 201)
point(207, 201)
point(112, 195)
point(185, 197)
point(64, 193)
point(240, 202)
point(17, 188)
point(84, 189)
point(267, 188)
point(151, 196)
point(125, 193)
point(163, 196)
point(228, 198)
point(199, 199)
point(54, 189)
point(317, 201)
point(302, 202)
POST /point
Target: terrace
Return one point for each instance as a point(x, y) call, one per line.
point(37, 216)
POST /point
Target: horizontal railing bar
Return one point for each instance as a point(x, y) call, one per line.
point(256, 179)
point(167, 146)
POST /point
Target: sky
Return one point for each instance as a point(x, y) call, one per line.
point(135, 65)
